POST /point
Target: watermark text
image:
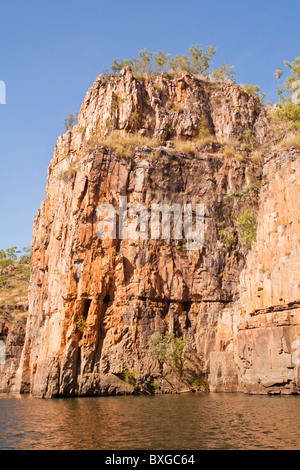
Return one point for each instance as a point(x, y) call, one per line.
point(136, 222)
point(2, 92)
point(296, 92)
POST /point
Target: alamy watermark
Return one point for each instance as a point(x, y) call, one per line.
point(296, 92)
point(137, 222)
point(2, 352)
point(296, 352)
point(2, 92)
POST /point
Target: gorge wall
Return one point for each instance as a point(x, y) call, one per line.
point(239, 309)
point(267, 327)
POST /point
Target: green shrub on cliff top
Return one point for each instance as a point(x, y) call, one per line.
point(198, 61)
point(288, 109)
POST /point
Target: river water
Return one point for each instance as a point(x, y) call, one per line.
point(168, 422)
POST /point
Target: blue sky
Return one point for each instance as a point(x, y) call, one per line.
point(52, 51)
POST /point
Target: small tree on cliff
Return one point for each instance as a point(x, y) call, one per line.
point(70, 121)
point(201, 60)
point(117, 65)
point(142, 64)
point(225, 74)
point(170, 350)
point(161, 61)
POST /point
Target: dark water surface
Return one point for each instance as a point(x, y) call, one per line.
point(169, 422)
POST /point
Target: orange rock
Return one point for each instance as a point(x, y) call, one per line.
point(123, 290)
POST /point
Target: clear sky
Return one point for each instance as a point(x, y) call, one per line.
point(52, 51)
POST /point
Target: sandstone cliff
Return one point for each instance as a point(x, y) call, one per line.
point(238, 309)
point(265, 333)
point(268, 352)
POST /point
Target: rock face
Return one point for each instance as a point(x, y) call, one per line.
point(12, 342)
point(124, 290)
point(264, 331)
point(269, 332)
point(167, 108)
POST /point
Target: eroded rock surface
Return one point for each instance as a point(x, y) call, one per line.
point(12, 337)
point(167, 107)
point(270, 289)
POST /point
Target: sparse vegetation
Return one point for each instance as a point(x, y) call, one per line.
point(241, 209)
point(68, 174)
point(122, 144)
point(130, 377)
point(178, 107)
point(114, 108)
point(226, 233)
point(81, 323)
point(243, 147)
point(204, 128)
point(172, 354)
point(194, 145)
point(169, 350)
point(199, 383)
point(70, 121)
point(16, 259)
point(136, 384)
point(229, 152)
point(286, 119)
point(135, 117)
point(197, 62)
point(247, 136)
point(81, 130)
point(184, 146)
point(225, 73)
point(290, 141)
point(15, 266)
point(247, 224)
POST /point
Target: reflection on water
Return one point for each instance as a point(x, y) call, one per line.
point(181, 422)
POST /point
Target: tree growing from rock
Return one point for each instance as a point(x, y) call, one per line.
point(169, 350)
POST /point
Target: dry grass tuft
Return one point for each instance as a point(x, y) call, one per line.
point(184, 146)
point(230, 152)
point(290, 141)
point(192, 146)
point(123, 144)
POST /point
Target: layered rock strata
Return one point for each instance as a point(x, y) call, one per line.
point(269, 330)
point(263, 332)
